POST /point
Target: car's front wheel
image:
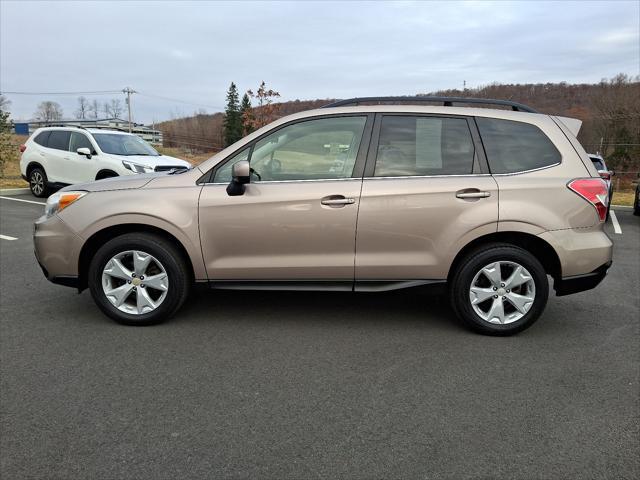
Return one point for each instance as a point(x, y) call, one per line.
point(139, 279)
point(499, 289)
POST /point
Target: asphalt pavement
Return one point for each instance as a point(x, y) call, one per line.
point(297, 385)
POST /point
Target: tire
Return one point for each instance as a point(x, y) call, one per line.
point(165, 258)
point(470, 272)
point(38, 183)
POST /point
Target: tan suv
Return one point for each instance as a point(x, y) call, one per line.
point(354, 197)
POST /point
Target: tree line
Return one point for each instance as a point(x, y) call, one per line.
point(49, 111)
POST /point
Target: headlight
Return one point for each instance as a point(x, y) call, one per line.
point(137, 167)
point(61, 200)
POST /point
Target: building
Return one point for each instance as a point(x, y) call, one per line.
point(146, 133)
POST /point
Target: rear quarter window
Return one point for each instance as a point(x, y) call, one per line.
point(42, 138)
point(513, 147)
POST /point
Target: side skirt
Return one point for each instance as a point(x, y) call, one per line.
point(321, 285)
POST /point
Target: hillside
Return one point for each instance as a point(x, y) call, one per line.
point(610, 111)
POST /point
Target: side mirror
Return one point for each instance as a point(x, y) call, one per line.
point(84, 151)
point(240, 176)
point(612, 173)
point(604, 174)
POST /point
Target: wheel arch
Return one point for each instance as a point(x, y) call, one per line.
point(32, 165)
point(106, 173)
point(102, 236)
point(538, 247)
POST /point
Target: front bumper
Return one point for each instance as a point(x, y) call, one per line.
point(580, 283)
point(57, 249)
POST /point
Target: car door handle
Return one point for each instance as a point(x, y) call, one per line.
point(337, 200)
point(473, 194)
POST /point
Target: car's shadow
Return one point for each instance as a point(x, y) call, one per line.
point(417, 305)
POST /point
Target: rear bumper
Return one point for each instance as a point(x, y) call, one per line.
point(580, 283)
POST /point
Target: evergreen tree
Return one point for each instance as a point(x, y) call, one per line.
point(232, 117)
point(246, 115)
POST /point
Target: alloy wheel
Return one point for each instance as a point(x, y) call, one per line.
point(502, 292)
point(135, 282)
point(37, 183)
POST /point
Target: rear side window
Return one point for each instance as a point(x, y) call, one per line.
point(597, 163)
point(42, 138)
point(59, 140)
point(424, 146)
point(513, 147)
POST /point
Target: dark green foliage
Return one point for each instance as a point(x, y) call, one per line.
point(232, 126)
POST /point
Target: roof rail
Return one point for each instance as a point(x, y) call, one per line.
point(66, 125)
point(446, 101)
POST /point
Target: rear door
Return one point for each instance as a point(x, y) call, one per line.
point(426, 193)
point(57, 157)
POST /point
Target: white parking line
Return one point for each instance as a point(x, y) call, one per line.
point(21, 200)
point(614, 220)
point(7, 237)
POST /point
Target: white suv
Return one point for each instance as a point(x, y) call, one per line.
point(54, 157)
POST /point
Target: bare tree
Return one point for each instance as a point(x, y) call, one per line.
point(106, 108)
point(4, 103)
point(48, 111)
point(116, 107)
point(94, 109)
point(83, 108)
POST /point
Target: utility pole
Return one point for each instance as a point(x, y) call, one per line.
point(129, 91)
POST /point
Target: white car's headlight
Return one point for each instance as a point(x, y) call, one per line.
point(61, 200)
point(137, 167)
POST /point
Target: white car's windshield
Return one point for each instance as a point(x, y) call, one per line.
point(117, 144)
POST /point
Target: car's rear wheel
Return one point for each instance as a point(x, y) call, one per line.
point(38, 182)
point(139, 279)
point(499, 289)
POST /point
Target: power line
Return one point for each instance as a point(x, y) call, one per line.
point(180, 101)
point(95, 92)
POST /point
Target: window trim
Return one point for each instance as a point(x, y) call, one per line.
point(358, 167)
point(479, 167)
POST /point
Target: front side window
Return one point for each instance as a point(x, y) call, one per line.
point(119, 144)
point(423, 146)
point(59, 140)
point(325, 148)
point(513, 147)
point(78, 140)
point(223, 174)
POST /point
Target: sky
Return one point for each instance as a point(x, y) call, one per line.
point(189, 52)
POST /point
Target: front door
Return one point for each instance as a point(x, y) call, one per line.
point(296, 220)
point(425, 195)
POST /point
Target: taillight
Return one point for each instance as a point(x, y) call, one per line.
point(594, 191)
point(23, 147)
point(605, 175)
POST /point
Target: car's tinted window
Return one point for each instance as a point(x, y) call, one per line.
point(598, 163)
point(42, 138)
point(59, 140)
point(324, 148)
point(411, 146)
point(515, 146)
point(79, 140)
point(223, 174)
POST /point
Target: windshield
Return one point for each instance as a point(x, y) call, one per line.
point(118, 144)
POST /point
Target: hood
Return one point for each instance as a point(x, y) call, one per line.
point(115, 183)
point(153, 161)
